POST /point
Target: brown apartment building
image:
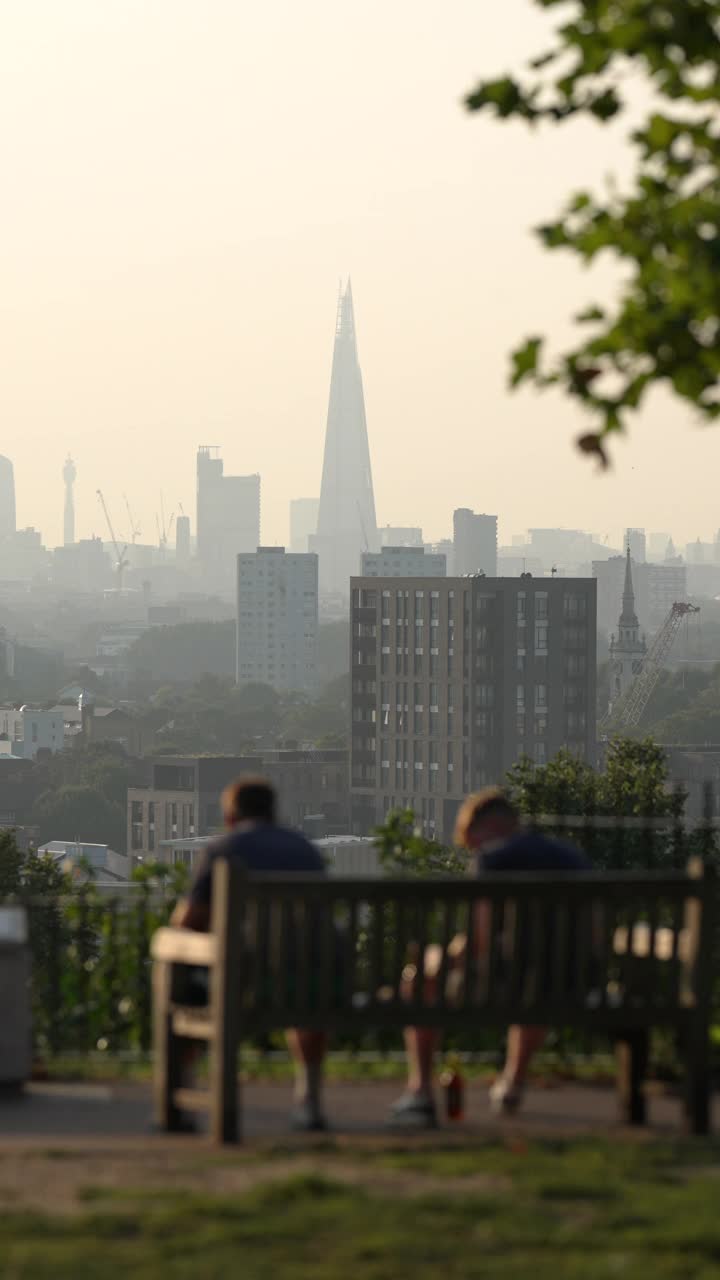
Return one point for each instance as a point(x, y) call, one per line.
point(455, 679)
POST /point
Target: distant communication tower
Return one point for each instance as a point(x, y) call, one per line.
point(69, 474)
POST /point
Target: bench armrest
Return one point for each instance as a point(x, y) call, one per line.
point(183, 946)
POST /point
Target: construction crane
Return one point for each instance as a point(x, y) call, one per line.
point(135, 529)
point(164, 530)
point(627, 712)
point(121, 560)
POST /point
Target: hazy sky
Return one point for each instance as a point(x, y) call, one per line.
point(183, 184)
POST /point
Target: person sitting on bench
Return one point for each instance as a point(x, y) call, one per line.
point(488, 826)
point(256, 841)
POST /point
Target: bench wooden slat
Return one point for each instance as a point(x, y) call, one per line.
point(192, 1099)
point(183, 946)
point(191, 1024)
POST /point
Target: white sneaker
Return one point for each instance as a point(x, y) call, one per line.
point(305, 1118)
point(505, 1098)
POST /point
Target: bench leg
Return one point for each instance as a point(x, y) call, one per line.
point(166, 1052)
point(632, 1052)
point(224, 1090)
point(697, 1083)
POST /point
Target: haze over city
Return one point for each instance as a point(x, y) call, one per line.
point(188, 184)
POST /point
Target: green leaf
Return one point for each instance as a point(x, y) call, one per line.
point(525, 361)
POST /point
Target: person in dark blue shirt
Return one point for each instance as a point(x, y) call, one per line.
point(258, 843)
point(489, 827)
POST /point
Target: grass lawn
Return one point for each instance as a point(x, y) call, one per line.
point(584, 1209)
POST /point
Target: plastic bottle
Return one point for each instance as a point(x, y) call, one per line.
point(454, 1088)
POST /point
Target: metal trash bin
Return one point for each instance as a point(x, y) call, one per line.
point(15, 1021)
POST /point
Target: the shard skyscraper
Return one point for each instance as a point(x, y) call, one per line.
point(346, 518)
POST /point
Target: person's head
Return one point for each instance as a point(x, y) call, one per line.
point(484, 818)
point(250, 799)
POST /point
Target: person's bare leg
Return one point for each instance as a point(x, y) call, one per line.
point(421, 1044)
point(522, 1043)
point(308, 1049)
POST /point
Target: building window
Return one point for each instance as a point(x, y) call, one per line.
point(574, 606)
point(520, 698)
point(484, 695)
point(541, 605)
point(521, 606)
point(541, 697)
point(541, 637)
point(575, 664)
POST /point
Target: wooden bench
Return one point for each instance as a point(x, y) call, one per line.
point(616, 955)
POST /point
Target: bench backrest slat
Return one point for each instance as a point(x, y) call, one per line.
point(580, 942)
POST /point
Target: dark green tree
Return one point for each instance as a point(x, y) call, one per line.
point(79, 812)
point(633, 783)
point(402, 847)
point(662, 229)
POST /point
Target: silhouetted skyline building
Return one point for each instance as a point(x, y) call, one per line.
point(69, 474)
point(182, 540)
point(228, 518)
point(277, 619)
point(347, 524)
point(7, 498)
point(474, 543)
point(303, 522)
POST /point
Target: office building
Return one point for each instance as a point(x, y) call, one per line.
point(303, 522)
point(277, 619)
point(7, 498)
point(69, 474)
point(474, 543)
point(656, 587)
point(228, 518)
point(347, 524)
point(666, 584)
point(84, 566)
point(400, 535)
point(170, 818)
point(444, 547)
point(23, 558)
point(403, 562)
point(657, 546)
point(455, 679)
point(182, 541)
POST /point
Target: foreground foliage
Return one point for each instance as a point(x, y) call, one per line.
point(663, 229)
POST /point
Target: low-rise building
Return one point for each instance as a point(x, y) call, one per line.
point(181, 800)
point(89, 861)
point(28, 730)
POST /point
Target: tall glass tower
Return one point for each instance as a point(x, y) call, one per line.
point(346, 519)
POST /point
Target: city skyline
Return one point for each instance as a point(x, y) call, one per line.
point(160, 289)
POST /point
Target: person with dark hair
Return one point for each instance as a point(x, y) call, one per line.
point(488, 826)
point(255, 840)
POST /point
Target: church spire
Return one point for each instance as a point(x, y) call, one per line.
point(628, 617)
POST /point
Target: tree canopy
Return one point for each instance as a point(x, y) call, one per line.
point(665, 325)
